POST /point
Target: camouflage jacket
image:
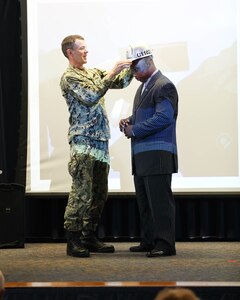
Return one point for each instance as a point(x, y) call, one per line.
point(84, 92)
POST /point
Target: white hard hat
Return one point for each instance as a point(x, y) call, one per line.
point(137, 52)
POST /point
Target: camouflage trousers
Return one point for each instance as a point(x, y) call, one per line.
point(88, 193)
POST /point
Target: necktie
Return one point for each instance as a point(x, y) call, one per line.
point(143, 88)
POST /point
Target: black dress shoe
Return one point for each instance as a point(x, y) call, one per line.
point(160, 253)
point(141, 248)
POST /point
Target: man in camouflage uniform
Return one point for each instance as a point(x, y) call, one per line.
point(84, 90)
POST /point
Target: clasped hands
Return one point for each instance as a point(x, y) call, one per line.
point(125, 127)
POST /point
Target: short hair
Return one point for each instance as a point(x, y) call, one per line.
point(69, 41)
point(176, 294)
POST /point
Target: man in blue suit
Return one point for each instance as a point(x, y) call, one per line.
point(152, 129)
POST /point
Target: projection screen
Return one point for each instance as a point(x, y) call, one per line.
point(194, 43)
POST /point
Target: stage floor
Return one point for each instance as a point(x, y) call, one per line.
point(195, 261)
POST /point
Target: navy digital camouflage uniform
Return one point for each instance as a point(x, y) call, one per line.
point(88, 137)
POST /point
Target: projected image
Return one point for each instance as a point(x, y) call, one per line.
point(197, 48)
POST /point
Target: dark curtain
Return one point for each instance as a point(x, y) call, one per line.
point(13, 98)
point(112, 293)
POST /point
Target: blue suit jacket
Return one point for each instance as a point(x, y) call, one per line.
point(154, 147)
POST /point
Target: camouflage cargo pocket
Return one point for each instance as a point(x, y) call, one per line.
point(73, 165)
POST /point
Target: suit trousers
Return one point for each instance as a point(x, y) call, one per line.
point(157, 210)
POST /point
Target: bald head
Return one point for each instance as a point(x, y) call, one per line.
point(176, 294)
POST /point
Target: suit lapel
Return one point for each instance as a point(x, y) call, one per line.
point(140, 97)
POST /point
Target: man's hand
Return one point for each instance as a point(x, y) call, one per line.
point(128, 131)
point(119, 66)
point(123, 123)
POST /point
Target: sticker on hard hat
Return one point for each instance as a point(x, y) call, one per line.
point(143, 53)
